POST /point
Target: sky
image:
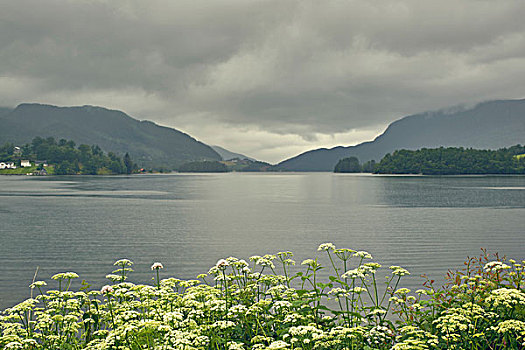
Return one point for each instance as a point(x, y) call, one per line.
point(269, 79)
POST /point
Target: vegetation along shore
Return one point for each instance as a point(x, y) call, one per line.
point(260, 304)
point(442, 161)
point(51, 157)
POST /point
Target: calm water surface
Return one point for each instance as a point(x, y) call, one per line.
point(188, 222)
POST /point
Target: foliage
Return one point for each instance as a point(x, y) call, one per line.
point(7, 152)
point(369, 167)
point(352, 165)
point(28, 170)
point(203, 167)
point(452, 161)
point(247, 165)
point(128, 164)
point(481, 307)
point(348, 165)
point(241, 305)
point(69, 160)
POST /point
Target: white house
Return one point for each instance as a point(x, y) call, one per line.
point(25, 163)
point(7, 165)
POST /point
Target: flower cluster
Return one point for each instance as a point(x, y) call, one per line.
point(480, 307)
point(239, 305)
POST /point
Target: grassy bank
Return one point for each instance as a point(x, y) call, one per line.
point(28, 170)
point(260, 305)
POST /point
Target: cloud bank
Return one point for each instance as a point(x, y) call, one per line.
point(269, 79)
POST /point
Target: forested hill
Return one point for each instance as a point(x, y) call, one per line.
point(454, 161)
point(65, 158)
point(149, 144)
point(489, 125)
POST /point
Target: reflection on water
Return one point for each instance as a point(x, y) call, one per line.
point(188, 222)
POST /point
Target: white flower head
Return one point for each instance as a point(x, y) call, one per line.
point(38, 284)
point(399, 271)
point(363, 255)
point(221, 264)
point(495, 266)
point(157, 266)
point(106, 289)
point(123, 262)
point(355, 273)
point(326, 246)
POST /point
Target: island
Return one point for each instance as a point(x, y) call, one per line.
point(442, 161)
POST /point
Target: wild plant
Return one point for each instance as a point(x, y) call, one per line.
point(481, 306)
point(264, 304)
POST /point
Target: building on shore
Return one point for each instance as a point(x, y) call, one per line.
point(7, 165)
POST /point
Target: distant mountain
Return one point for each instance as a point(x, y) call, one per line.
point(149, 144)
point(4, 110)
point(489, 125)
point(228, 155)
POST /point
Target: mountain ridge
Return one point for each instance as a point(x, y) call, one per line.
point(149, 144)
point(228, 155)
point(492, 124)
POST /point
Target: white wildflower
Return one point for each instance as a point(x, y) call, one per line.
point(157, 266)
point(363, 255)
point(326, 246)
point(495, 266)
point(106, 289)
point(221, 264)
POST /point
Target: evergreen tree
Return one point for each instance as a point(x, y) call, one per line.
point(348, 165)
point(128, 163)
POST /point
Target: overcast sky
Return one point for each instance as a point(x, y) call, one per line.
point(270, 79)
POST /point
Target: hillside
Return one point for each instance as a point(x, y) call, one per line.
point(489, 125)
point(4, 110)
point(228, 155)
point(149, 144)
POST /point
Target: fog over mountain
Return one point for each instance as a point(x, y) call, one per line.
point(266, 78)
point(489, 125)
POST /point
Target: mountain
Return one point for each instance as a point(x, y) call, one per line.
point(149, 144)
point(228, 155)
point(488, 125)
point(4, 111)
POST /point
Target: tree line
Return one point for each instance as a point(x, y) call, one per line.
point(443, 161)
point(352, 165)
point(68, 159)
point(206, 166)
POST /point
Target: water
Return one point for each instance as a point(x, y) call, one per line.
point(188, 222)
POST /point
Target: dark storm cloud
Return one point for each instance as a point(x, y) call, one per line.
point(293, 74)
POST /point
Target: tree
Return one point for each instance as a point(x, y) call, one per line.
point(369, 167)
point(128, 163)
point(68, 160)
point(452, 161)
point(348, 165)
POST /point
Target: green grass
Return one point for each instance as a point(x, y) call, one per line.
point(18, 171)
point(22, 171)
